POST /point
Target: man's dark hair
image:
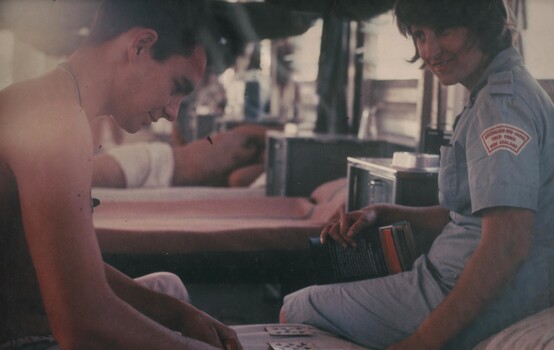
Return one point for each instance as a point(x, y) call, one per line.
point(179, 23)
point(487, 19)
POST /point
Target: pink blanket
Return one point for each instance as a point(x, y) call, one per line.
point(239, 224)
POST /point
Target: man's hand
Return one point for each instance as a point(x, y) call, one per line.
point(171, 312)
point(209, 163)
point(199, 325)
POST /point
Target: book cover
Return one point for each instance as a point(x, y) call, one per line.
point(404, 242)
point(390, 250)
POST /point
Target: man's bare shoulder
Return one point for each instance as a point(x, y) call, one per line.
point(42, 136)
point(40, 116)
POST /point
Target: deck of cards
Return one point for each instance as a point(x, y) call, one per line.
point(290, 331)
point(293, 345)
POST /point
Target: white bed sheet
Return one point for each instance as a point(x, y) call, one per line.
point(255, 337)
point(534, 332)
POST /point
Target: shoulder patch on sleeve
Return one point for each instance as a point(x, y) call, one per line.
point(504, 137)
point(501, 83)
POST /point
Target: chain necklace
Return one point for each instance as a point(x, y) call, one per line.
point(65, 68)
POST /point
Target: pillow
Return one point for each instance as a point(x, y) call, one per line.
point(330, 200)
point(533, 332)
point(329, 190)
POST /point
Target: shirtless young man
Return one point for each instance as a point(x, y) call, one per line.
point(142, 57)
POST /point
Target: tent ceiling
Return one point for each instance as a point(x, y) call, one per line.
point(57, 26)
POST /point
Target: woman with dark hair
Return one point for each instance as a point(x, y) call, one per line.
point(493, 249)
point(486, 19)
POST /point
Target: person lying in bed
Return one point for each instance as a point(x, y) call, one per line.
point(141, 58)
point(233, 158)
point(492, 256)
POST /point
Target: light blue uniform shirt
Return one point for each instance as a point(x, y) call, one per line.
point(501, 154)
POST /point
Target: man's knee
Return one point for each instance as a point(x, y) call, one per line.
point(166, 283)
point(296, 307)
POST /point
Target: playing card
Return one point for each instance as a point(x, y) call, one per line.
point(295, 345)
point(289, 330)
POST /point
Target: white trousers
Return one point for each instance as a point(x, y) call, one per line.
point(162, 282)
point(165, 283)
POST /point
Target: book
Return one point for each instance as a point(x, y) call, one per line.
point(390, 250)
point(404, 243)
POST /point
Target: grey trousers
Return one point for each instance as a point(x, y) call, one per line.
point(378, 312)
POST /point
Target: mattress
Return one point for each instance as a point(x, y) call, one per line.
point(218, 224)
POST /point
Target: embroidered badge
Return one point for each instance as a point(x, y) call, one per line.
point(504, 136)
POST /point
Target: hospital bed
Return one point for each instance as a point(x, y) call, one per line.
point(214, 234)
point(222, 236)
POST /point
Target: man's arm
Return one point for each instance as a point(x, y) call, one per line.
point(107, 172)
point(50, 157)
point(209, 162)
point(170, 312)
point(504, 246)
point(203, 162)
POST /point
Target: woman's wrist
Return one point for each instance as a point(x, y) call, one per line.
point(383, 214)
